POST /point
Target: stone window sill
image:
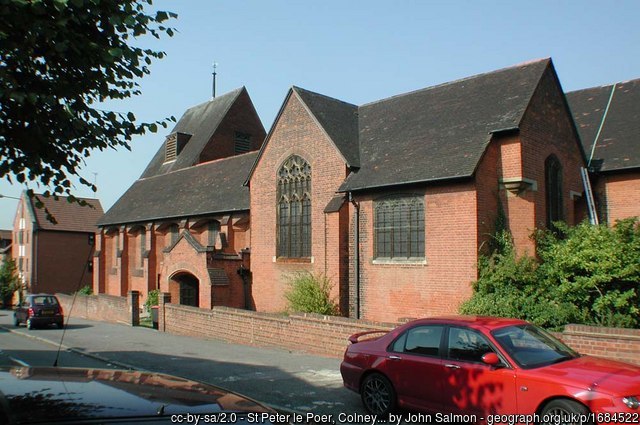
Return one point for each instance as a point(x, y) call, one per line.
point(287, 260)
point(400, 261)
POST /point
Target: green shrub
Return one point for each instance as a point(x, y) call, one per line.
point(86, 290)
point(152, 299)
point(310, 293)
point(583, 274)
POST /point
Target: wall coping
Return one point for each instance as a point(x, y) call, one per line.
point(280, 317)
point(602, 332)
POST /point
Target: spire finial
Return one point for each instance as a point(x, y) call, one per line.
point(215, 66)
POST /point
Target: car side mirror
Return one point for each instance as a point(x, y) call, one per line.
point(491, 359)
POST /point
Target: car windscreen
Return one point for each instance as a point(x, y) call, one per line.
point(44, 300)
point(531, 347)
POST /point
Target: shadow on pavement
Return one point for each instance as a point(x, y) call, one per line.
point(306, 390)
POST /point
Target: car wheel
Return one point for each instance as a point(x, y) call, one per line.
point(378, 395)
point(560, 411)
point(16, 321)
point(29, 324)
point(59, 325)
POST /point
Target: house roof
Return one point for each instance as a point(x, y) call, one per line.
point(440, 132)
point(618, 144)
point(6, 234)
point(69, 216)
point(338, 119)
point(210, 188)
point(200, 122)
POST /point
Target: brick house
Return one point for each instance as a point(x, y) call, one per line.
point(183, 226)
point(393, 200)
point(608, 119)
point(55, 257)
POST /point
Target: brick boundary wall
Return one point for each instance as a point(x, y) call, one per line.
point(101, 307)
point(613, 343)
point(327, 335)
point(312, 333)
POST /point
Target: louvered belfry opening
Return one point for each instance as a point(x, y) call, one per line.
point(174, 144)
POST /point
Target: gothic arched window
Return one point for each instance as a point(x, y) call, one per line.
point(294, 208)
point(553, 186)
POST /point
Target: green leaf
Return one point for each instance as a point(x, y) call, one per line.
point(60, 4)
point(116, 52)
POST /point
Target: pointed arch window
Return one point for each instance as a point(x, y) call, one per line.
point(553, 186)
point(399, 227)
point(294, 209)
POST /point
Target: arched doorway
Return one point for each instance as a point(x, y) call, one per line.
point(187, 287)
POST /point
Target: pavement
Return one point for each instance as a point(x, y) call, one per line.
point(284, 379)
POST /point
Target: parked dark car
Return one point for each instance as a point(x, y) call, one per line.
point(484, 366)
point(39, 310)
point(95, 396)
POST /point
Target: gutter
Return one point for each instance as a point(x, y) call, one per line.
point(356, 254)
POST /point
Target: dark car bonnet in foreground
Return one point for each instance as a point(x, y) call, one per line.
point(70, 395)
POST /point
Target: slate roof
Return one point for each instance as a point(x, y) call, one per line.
point(437, 133)
point(338, 119)
point(210, 188)
point(201, 122)
point(618, 145)
point(70, 216)
point(440, 132)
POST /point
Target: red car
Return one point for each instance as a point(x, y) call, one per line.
point(479, 367)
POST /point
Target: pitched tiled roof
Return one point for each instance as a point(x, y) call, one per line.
point(618, 144)
point(69, 216)
point(209, 188)
point(440, 132)
point(200, 122)
point(338, 119)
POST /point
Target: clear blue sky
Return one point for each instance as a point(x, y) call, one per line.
point(356, 51)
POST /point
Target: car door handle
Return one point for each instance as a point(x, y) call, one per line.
point(394, 358)
point(452, 366)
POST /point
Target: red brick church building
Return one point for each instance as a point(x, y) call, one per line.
point(392, 200)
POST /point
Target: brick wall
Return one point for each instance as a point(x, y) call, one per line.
point(547, 129)
point(311, 333)
point(62, 262)
point(392, 290)
point(295, 133)
point(102, 307)
point(613, 343)
point(327, 335)
point(621, 195)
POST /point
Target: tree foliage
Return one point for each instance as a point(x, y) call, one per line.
point(60, 59)
point(583, 274)
point(9, 281)
point(309, 293)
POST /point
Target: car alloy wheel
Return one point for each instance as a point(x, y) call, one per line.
point(563, 412)
point(378, 395)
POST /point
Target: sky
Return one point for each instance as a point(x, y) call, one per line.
point(357, 51)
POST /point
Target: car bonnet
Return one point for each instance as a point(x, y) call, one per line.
point(32, 395)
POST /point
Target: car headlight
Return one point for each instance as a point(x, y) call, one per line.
point(632, 402)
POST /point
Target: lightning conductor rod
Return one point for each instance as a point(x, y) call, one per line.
point(215, 65)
